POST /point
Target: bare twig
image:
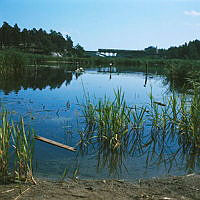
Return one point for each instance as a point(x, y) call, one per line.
point(8, 191)
point(22, 193)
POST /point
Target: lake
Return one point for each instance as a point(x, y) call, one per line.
point(49, 99)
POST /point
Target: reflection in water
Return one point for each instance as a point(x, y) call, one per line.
point(107, 69)
point(163, 139)
point(145, 82)
point(35, 78)
point(111, 69)
point(77, 74)
point(155, 143)
point(160, 148)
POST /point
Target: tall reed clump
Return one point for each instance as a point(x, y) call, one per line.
point(15, 135)
point(110, 126)
point(112, 120)
point(23, 143)
point(5, 134)
point(189, 122)
point(114, 128)
point(107, 120)
point(176, 120)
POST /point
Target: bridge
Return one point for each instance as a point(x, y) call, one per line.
point(123, 53)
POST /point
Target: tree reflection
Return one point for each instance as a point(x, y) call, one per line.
point(34, 78)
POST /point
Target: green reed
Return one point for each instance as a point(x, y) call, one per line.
point(23, 142)
point(189, 123)
point(178, 121)
point(115, 128)
point(12, 62)
point(112, 119)
point(5, 134)
point(14, 135)
point(110, 125)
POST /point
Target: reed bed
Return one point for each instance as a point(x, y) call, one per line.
point(110, 121)
point(115, 129)
point(23, 143)
point(109, 128)
point(175, 128)
point(5, 134)
point(15, 136)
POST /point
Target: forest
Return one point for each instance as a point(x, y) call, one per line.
point(38, 41)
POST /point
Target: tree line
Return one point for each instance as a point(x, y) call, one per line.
point(190, 50)
point(38, 41)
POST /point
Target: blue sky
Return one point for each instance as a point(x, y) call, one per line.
point(119, 24)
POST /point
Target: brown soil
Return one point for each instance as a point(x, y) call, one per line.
point(169, 188)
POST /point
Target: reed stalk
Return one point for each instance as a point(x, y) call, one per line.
point(110, 127)
point(5, 134)
point(118, 129)
point(23, 142)
point(15, 135)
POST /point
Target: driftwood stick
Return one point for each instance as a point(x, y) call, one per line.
point(22, 193)
point(55, 143)
point(8, 191)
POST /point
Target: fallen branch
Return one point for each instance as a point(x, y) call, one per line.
point(55, 143)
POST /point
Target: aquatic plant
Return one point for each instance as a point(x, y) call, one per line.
point(5, 134)
point(116, 129)
point(111, 126)
point(178, 121)
point(23, 143)
point(14, 135)
point(71, 172)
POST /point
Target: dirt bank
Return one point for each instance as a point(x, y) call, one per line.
point(169, 188)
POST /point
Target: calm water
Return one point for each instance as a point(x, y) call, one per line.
point(48, 100)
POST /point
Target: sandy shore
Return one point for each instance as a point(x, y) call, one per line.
point(169, 188)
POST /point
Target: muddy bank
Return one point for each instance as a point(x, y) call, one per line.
point(169, 188)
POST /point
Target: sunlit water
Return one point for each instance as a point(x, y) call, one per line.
point(53, 112)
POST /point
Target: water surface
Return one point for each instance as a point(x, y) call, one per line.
point(48, 100)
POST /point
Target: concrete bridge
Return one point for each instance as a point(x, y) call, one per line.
point(121, 53)
point(107, 52)
point(124, 53)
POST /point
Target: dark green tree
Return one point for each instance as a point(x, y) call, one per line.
point(79, 50)
point(37, 41)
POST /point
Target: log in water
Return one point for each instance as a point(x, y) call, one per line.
point(55, 143)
